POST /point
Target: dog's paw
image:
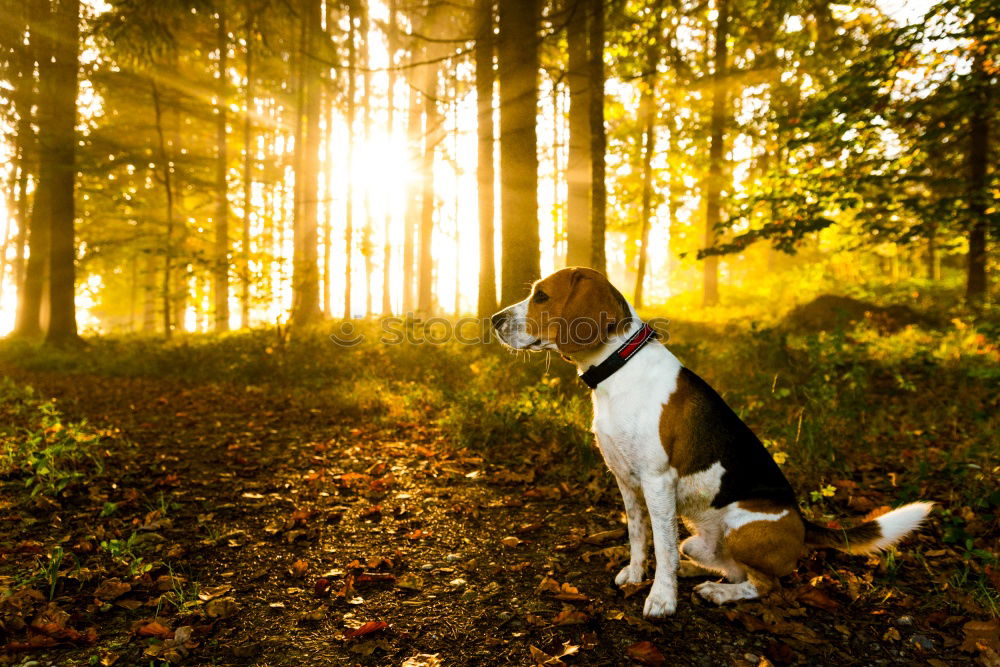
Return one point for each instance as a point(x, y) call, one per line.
point(629, 575)
point(661, 602)
point(720, 593)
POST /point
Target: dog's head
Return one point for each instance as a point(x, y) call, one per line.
point(573, 310)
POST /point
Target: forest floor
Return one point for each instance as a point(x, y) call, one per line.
point(222, 522)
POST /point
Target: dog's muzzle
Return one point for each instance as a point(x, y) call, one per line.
point(509, 324)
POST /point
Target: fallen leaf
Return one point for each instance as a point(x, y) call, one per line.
point(299, 568)
point(986, 633)
point(570, 617)
point(212, 592)
point(814, 597)
point(646, 653)
point(221, 608)
point(111, 589)
point(367, 629)
point(605, 536)
point(154, 629)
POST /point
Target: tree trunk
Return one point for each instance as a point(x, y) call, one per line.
point(647, 112)
point(976, 286)
point(933, 254)
point(220, 266)
point(578, 165)
point(518, 64)
point(390, 127)
point(167, 166)
point(485, 78)
point(23, 98)
point(598, 140)
point(351, 102)
point(713, 194)
point(36, 275)
point(60, 143)
point(305, 276)
point(248, 162)
point(367, 246)
point(432, 135)
point(414, 132)
point(149, 293)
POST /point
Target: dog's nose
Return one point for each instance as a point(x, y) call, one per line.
point(499, 319)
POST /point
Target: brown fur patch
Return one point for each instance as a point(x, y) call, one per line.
point(772, 548)
point(582, 311)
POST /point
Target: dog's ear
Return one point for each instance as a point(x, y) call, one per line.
point(593, 312)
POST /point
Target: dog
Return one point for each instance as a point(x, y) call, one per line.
point(677, 449)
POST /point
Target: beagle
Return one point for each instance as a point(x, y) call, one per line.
point(677, 450)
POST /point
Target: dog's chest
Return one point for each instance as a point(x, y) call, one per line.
point(626, 423)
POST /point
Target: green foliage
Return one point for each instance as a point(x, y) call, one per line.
point(38, 444)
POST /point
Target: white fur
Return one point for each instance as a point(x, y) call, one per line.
point(720, 593)
point(737, 517)
point(897, 524)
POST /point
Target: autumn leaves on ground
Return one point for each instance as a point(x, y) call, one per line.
point(260, 499)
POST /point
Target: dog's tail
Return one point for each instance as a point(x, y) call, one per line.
point(870, 536)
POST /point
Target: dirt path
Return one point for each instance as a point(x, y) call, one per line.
point(304, 533)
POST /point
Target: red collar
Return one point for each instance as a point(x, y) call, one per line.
point(595, 375)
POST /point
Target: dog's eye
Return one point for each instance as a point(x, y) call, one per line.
point(540, 297)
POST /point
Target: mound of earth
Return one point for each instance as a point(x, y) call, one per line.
point(828, 312)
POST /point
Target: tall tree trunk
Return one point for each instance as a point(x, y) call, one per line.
point(713, 194)
point(305, 277)
point(432, 135)
point(976, 286)
point(351, 105)
point(220, 265)
point(647, 111)
point(485, 47)
point(598, 140)
point(25, 145)
point(36, 274)
point(248, 162)
point(390, 127)
point(166, 163)
point(414, 132)
point(518, 64)
point(60, 144)
point(328, 218)
point(578, 165)
point(933, 254)
point(367, 245)
point(149, 291)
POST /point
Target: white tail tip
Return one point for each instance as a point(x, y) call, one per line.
point(900, 522)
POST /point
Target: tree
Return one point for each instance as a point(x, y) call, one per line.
point(713, 183)
point(220, 270)
point(598, 140)
point(647, 114)
point(485, 48)
point(980, 90)
point(305, 279)
point(36, 277)
point(518, 77)
point(57, 141)
point(578, 164)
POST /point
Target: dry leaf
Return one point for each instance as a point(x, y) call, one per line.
point(367, 629)
point(646, 653)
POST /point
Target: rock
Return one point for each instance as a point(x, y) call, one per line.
point(922, 642)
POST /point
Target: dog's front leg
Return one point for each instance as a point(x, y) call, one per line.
point(638, 532)
point(660, 491)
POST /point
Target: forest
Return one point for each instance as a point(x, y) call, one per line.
point(251, 407)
